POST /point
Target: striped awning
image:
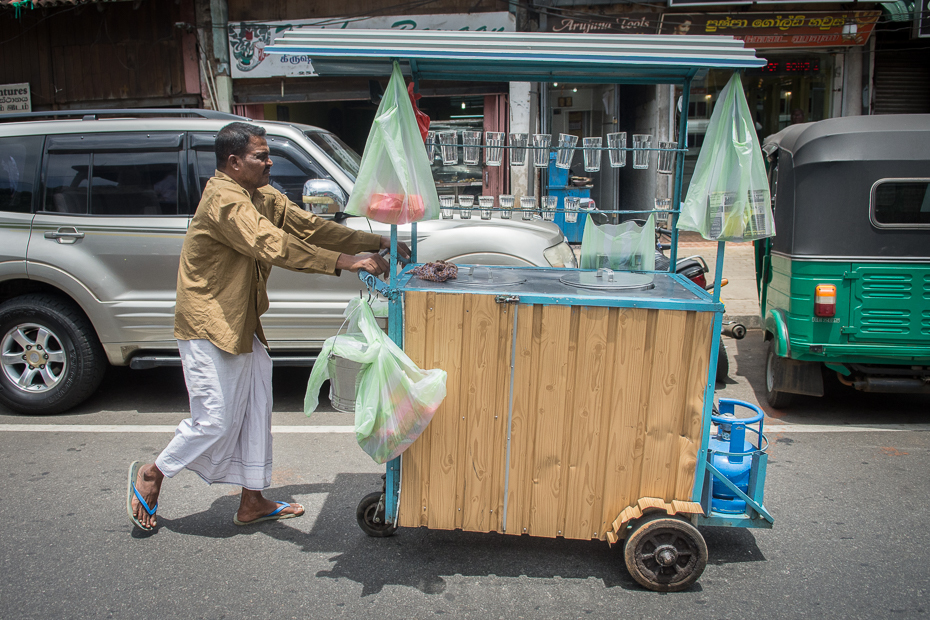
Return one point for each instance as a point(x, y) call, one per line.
point(515, 56)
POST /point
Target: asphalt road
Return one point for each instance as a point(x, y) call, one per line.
point(847, 483)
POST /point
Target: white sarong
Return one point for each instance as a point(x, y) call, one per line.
point(227, 439)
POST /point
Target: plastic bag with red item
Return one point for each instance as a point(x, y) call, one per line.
point(422, 119)
point(394, 184)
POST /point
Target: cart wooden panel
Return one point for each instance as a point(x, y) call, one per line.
point(607, 409)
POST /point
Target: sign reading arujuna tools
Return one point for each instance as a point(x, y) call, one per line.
point(15, 98)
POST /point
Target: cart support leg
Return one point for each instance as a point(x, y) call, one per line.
point(396, 334)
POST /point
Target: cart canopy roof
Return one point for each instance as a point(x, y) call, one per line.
point(516, 56)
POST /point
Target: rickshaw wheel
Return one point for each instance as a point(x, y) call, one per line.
point(665, 554)
point(776, 398)
point(370, 516)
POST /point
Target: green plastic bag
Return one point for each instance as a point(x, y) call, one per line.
point(395, 184)
point(395, 400)
point(729, 199)
point(622, 247)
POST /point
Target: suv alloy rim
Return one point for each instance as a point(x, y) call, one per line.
point(33, 358)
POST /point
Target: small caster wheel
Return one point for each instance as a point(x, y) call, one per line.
point(370, 516)
point(665, 554)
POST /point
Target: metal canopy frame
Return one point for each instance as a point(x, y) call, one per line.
point(532, 57)
point(516, 56)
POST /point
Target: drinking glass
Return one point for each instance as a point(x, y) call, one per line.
point(494, 154)
point(449, 148)
point(518, 142)
point(592, 154)
point(466, 202)
point(542, 142)
point(506, 204)
point(528, 204)
point(486, 203)
point(549, 203)
point(432, 149)
point(571, 209)
point(663, 204)
point(616, 142)
point(666, 157)
point(446, 207)
point(472, 142)
point(641, 142)
point(566, 151)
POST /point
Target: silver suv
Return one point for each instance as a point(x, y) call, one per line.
point(93, 213)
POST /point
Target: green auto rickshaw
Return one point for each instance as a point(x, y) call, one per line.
point(845, 283)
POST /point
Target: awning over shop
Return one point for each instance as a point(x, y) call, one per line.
point(516, 56)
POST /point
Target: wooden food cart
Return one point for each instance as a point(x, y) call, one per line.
point(579, 403)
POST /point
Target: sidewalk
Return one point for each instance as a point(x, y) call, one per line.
point(740, 295)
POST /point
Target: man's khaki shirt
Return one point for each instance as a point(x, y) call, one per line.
point(230, 247)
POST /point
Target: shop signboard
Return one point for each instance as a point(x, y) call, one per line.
point(628, 23)
point(778, 30)
point(15, 98)
point(247, 40)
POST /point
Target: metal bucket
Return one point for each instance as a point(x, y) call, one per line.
point(343, 383)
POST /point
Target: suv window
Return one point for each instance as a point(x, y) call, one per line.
point(901, 203)
point(19, 160)
point(66, 182)
point(290, 169)
point(134, 184)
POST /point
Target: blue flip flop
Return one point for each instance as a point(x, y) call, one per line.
point(274, 515)
point(131, 492)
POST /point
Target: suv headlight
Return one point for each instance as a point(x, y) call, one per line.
point(561, 255)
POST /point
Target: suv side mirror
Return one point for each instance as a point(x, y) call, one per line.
point(324, 196)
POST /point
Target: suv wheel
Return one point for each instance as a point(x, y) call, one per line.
point(50, 359)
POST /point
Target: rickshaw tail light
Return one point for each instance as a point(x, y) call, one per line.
point(699, 279)
point(825, 300)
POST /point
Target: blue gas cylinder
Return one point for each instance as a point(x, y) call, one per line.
point(736, 463)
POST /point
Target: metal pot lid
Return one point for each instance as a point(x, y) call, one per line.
point(486, 277)
point(609, 280)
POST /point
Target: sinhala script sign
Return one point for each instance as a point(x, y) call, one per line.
point(15, 98)
point(247, 40)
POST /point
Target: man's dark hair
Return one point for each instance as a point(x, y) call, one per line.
point(233, 139)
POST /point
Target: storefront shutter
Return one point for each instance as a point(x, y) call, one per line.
point(902, 82)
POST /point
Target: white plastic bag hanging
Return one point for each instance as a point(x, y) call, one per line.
point(394, 183)
point(729, 199)
point(395, 399)
point(622, 247)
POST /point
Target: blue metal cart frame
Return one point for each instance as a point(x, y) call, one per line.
point(547, 57)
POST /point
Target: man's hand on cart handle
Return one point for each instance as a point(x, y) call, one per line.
point(403, 250)
point(372, 263)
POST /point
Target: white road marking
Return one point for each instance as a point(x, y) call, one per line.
point(283, 430)
point(141, 428)
point(842, 428)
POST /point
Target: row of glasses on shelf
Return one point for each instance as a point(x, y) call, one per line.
point(445, 144)
point(506, 204)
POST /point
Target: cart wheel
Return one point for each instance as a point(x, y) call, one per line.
point(665, 554)
point(777, 399)
point(370, 516)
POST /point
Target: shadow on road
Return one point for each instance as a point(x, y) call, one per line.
point(421, 558)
